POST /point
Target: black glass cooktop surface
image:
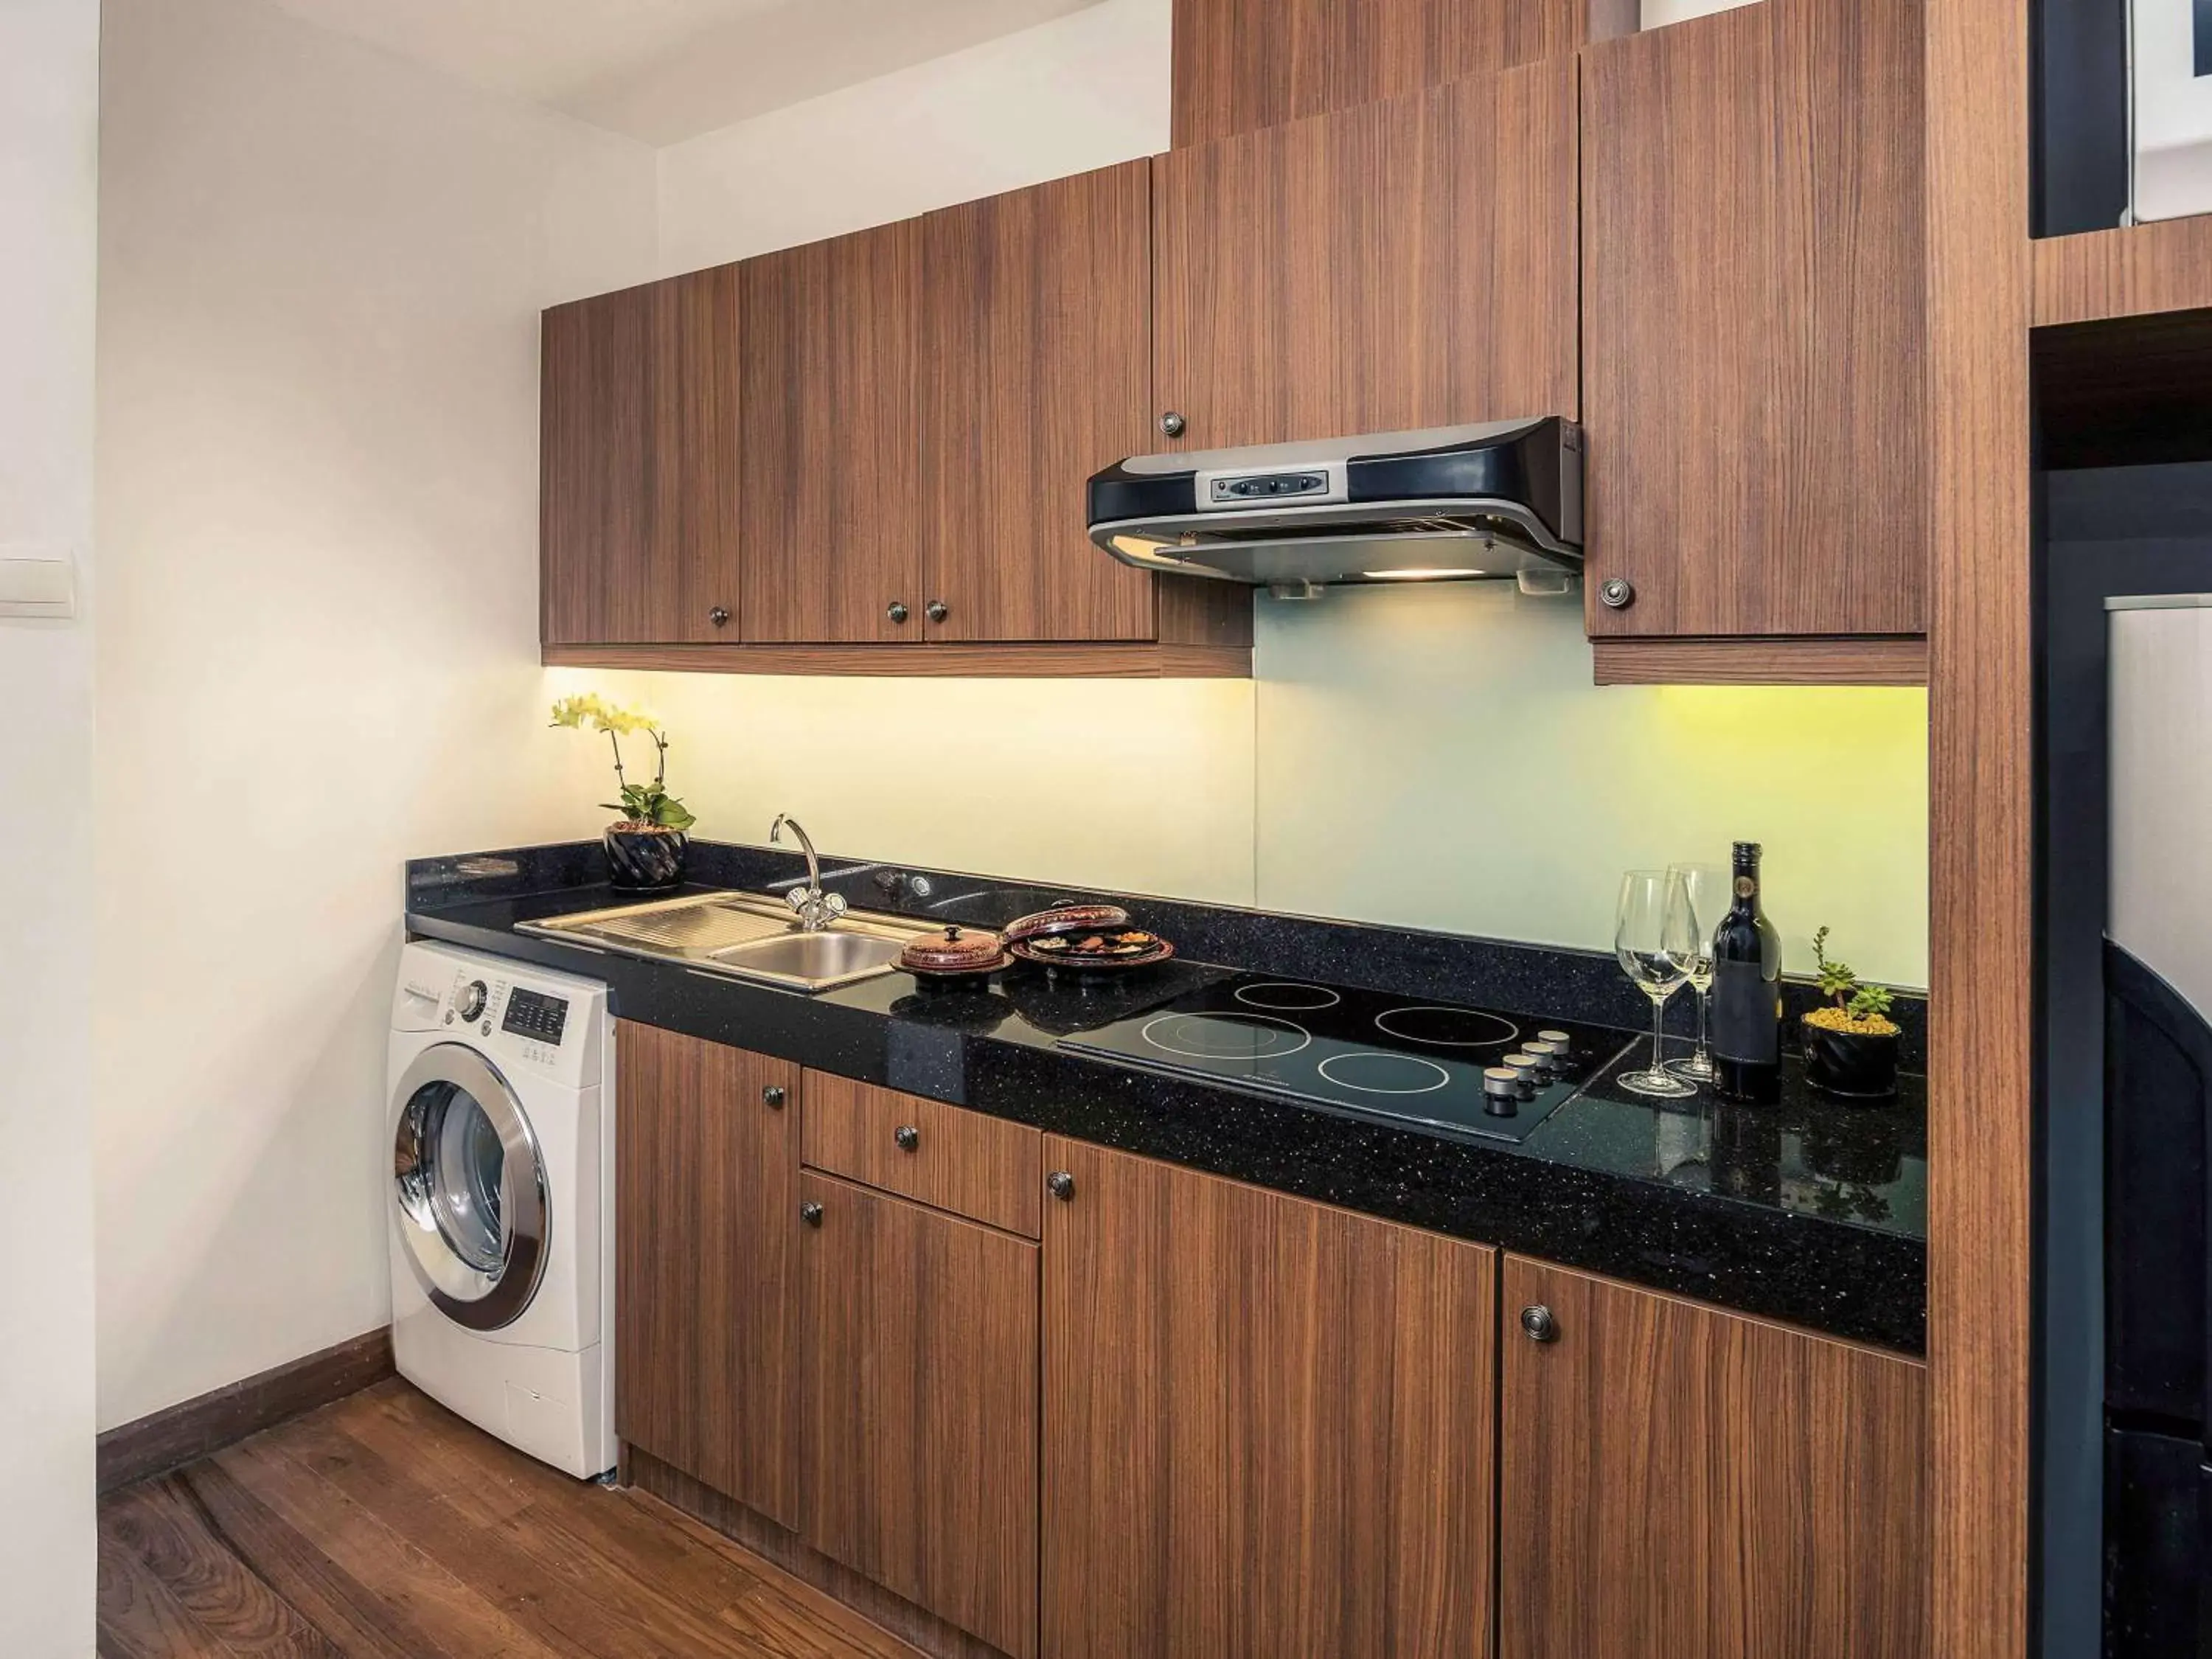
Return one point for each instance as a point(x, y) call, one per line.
point(1359, 1051)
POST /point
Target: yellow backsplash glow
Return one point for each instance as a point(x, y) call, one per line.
point(1431, 757)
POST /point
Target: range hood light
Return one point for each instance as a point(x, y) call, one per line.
point(1436, 575)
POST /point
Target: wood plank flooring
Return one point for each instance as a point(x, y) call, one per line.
point(385, 1526)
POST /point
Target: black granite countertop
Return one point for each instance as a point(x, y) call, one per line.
point(1811, 1211)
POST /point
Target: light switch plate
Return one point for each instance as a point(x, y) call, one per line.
point(38, 582)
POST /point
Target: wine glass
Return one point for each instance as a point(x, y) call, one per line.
point(1655, 938)
point(1711, 892)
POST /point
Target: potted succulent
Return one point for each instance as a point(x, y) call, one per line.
point(645, 845)
point(1851, 1045)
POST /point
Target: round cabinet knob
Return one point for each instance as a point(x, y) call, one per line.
point(896, 610)
point(1172, 424)
point(1539, 1324)
point(1616, 593)
point(773, 1098)
point(937, 610)
point(1060, 1184)
point(720, 616)
point(811, 1213)
point(908, 1137)
point(471, 1001)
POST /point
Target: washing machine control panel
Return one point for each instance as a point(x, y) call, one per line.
point(535, 1015)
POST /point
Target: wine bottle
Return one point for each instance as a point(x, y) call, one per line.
point(1746, 1011)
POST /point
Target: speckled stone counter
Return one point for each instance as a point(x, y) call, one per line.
point(1811, 1211)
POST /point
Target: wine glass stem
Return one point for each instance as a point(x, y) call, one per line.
point(1658, 1032)
point(1704, 1009)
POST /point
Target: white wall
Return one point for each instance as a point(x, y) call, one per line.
point(320, 274)
point(49, 105)
point(1080, 92)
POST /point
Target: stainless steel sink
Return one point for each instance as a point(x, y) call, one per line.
point(744, 936)
point(836, 956)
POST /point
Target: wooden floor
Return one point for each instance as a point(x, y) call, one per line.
point(385, 1525)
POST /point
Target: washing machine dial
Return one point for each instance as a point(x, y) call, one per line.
point(470, 999)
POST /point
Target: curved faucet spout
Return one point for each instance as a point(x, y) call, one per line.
point(817, 910)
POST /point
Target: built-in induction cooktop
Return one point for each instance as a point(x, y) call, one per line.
point(1467, 1069)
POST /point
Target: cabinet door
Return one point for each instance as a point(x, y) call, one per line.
point(1755, 310)
point(1403, 264)
point(638, 464)
point(1243, 64)
point(1036, 323)
point(1680, 1483)
point(831, 488)
point(1267, 1424)
point(921, 1407)
point(705, 1288)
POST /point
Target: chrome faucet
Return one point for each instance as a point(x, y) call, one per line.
point(817, 910)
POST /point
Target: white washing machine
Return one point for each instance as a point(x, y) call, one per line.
point(501, 1120)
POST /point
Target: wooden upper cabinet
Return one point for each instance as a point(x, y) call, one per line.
point(1403, 264)
point(1036, 323)
point(1753, 319)
point(921, 1407)
point(1267, 1424)
point(706, 1268)
point(831, 474)
point(638, 464)
point(1243, 64)
point(1680, 1483)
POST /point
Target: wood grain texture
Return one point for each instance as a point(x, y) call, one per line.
point(841, 1585)
point(1267, 1424)
point(921, 1408)
point(386, 1527)
point(193, 1428)
point(1198, 612)
point(1680, 1483)
point(638, 464)
point(1981, 1143)
point(831, 477)
point(1867, 661)
point(706, 1271)
point(1402, 264)
point(1035, 326)
point(1754, 317)
point(985, 1168)
point(1135, 662)
point(2165, 265)
point(1240, 65)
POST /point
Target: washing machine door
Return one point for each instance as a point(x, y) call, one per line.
point(468, 1187)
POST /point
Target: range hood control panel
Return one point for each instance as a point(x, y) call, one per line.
point(1231, 487)
point(1270, 486)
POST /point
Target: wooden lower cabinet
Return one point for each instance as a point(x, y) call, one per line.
point(1267, 1424)
point(706, 1293)
point(1680, 1483)
point(919, 1438)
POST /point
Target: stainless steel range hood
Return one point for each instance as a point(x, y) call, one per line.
point(1450, 504)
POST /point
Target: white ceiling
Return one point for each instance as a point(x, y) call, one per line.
point(665, 70)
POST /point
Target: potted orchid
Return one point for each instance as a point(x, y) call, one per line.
point(646, 845)
point(1850, 1043)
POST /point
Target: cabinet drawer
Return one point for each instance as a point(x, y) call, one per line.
point(983, 1168)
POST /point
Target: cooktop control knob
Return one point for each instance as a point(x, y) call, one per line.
point(470, 1000)
point(1559, 1040)
point(1501, 1090)
point(1523, 1065)
point(1548, 1057)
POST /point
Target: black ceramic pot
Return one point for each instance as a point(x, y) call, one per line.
point(644, 861)
point(1854, 1064)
